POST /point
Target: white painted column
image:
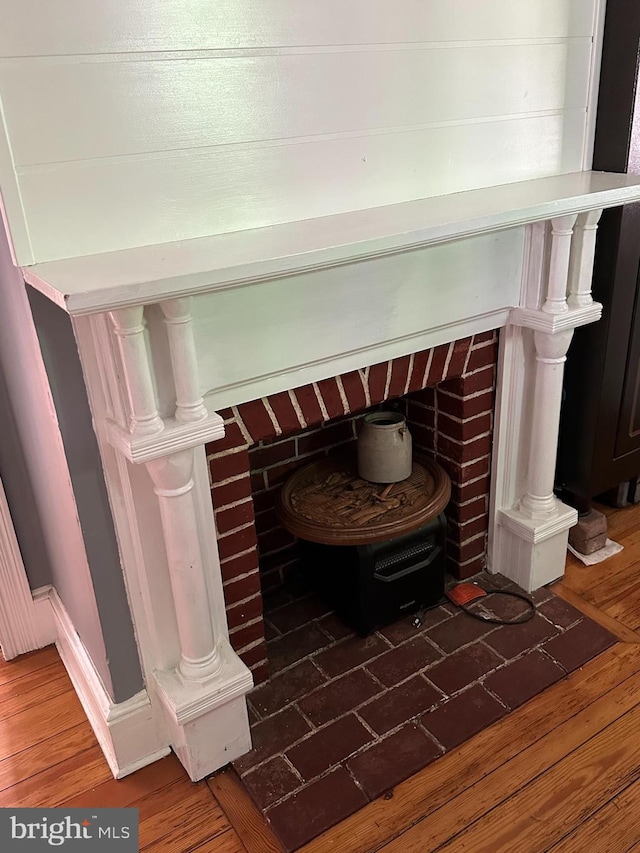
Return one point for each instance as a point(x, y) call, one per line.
point(551, 354)
point(561, 234)
point(173, 484)
point(128, 324)
point(178, 320)
point(581, 269)
point(529, 525)
point(196, 682)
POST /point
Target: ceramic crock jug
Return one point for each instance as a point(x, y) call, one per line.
point(384, 448)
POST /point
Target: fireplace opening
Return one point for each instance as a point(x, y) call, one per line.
point(446, 395)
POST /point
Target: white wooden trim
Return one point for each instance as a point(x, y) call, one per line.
point(175, 436)
point(594, 82)
point(24, 625)
point(126, 731)
point(273, 383)
point(147, 588)
point(528, 526)
point(554, 324)
point(204, 720)
point(11, 206)
point(510, 431)
point(536, 531)
point(96, 283)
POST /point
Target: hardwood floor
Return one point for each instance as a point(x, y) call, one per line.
point(561, 774)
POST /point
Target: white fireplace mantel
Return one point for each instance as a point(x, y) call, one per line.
point(94, 283)
point(170, 333)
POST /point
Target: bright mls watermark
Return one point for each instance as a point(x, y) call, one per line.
point(69, 829)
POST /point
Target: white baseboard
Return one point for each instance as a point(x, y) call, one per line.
point(127, 732)
point(43, 617)
point(24, 624)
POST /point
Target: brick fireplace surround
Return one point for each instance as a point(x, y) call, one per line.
point(447, 393)
point(196, 344)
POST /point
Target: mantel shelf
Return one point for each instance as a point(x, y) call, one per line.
point(95, 283)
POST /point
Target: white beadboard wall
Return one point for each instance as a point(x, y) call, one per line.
point(132, 123)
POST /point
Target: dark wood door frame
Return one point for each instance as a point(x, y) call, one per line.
point(600, 431)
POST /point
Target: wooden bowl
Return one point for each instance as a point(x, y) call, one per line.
point(327, 502)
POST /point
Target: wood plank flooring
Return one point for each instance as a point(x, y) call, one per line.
point(560, 774)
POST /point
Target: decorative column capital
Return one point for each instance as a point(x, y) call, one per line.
point(177, 310)
point(562, 226)
point(172, 475)
point(552, 348)
point(128, 321)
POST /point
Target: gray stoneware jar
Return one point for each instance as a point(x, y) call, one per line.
point(384, 448)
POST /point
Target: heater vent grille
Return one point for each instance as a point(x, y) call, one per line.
point(411, 553)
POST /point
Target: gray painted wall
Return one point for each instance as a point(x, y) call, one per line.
point(62, 362)
point(17, 485)
point(44, 459)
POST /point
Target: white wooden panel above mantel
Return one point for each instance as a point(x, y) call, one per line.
point(149, 274)
point(98, 206)
point(200, 102)
point(81, 27)
point(119, 203)
point(127, 124)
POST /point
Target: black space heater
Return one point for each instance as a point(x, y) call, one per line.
point(370, 586)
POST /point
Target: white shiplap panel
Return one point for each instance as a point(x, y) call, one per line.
point(65, 112)
point(12, 215)
point(45, 27)
point(89, 207)
point(288, 324)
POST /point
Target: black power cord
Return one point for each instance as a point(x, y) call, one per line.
point(497, 620)
point(479, 596)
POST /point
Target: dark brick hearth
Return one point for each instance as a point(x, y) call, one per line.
point(344, 719)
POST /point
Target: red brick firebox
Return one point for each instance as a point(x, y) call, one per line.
point(447, 394)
